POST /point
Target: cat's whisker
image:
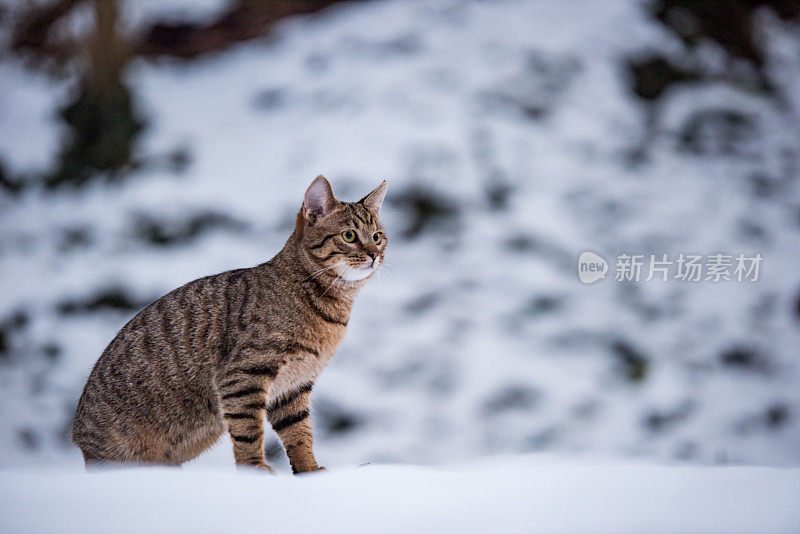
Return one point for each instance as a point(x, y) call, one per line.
point(387, 270)
point(317, 272)
point(321, 270)
point(381, 281)
point(331, 284)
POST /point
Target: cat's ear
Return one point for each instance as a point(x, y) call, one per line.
point(374, 200)
point(319, 200)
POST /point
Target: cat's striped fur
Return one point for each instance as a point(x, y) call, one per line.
point(224, 351)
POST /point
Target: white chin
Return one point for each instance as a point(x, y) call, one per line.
point(354, 275)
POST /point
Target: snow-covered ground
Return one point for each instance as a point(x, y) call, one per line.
point(505, 131)
point(521, 494)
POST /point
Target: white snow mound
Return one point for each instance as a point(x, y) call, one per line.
point(513, 494)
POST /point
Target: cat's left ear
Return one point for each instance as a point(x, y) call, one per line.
point(374, 200)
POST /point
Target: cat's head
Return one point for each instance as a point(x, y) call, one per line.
point(342, 238)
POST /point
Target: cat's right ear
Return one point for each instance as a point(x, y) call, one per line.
point(319, 200)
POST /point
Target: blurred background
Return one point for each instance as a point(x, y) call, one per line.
point(147, 143)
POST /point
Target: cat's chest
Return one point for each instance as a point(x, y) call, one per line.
point(317, 340)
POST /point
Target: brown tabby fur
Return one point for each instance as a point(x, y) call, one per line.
point(223, 351)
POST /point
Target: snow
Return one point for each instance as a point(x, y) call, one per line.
point(511, 494)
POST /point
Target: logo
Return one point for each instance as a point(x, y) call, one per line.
point(591, 267)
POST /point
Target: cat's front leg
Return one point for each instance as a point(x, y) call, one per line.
point(243, 397)
point(289, 417)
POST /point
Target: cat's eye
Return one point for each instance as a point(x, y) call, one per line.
point(349, 236)
point(376, 237)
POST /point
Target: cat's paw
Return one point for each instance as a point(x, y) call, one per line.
point(268, 469)
point(261, 468)
point(308, 471)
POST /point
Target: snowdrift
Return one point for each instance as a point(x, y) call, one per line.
point(513, 494)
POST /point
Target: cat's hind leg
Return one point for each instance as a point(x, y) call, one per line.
point(194, 442)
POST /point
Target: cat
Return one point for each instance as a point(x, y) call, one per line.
point(223, 351)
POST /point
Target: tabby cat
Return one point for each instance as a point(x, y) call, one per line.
point(223, 351)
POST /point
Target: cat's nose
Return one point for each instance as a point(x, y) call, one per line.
point(371, 251)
